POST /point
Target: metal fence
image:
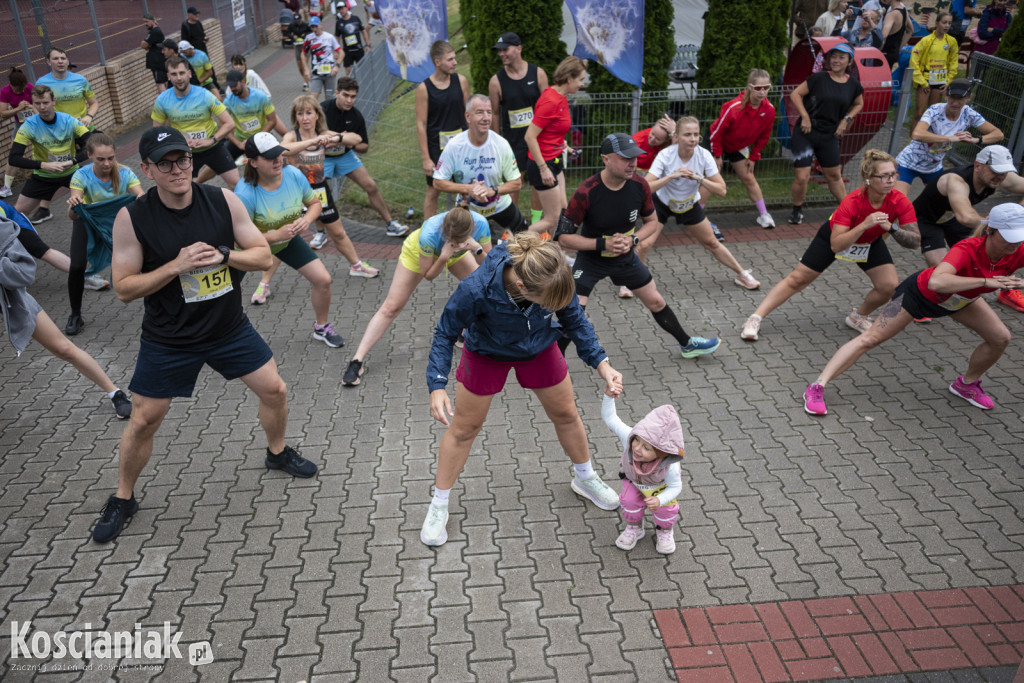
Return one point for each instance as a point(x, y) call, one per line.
point(999, 97)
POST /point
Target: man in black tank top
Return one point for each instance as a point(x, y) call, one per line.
point(173, 248)
point(440, 106)
point(513, 92)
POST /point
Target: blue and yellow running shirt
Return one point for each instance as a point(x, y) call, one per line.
point(250, 114)
point(95, 190)
point(70, 93)
point(195, 114)
point(270, 210)
point(432, 238)
point(200, 62)
point(52, 141)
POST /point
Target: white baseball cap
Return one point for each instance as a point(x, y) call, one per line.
point(1008, 219)
point(184, 45)
point(998, 159)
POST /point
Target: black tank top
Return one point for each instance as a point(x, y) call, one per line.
point(894, 42)
point(517, 100)
point(931, 206)
point(445, 114)
point(163, 232)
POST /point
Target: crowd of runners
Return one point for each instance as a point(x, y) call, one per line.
point(524, 281)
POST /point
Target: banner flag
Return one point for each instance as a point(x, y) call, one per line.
point(410, 28)
point(611, 32)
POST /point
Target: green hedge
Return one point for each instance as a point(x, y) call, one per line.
point(740, 35)
point(1012, 45)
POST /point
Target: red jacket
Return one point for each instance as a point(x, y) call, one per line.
point(738, 127)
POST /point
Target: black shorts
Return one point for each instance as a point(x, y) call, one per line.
point(825, 146)
point(941, 235)
point(217, 158)
point(328, 212)
point(41, 187)
point(33, 243)
point(533, 173)
point(522, 155)
point(510, 219)
point(915, 303)
point(625, 271)
point(159, 76)
point(297, 254)
point(233, 149)
point(819, 254)
point(352, 57)
point(692, 217)
point(733, 157)
point(435, 156)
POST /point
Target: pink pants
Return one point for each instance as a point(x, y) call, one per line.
point(633, 508)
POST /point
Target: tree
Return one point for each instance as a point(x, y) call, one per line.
point(1011, 47)
point(537, 22)
point(659, 50)
point(740, 35)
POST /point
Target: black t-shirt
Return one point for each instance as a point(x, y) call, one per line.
point(931, 206)
point(602, 212)
point(195, 34)
point(827, 101)
point(350, 33)
point(155, 55)
point(341, 121)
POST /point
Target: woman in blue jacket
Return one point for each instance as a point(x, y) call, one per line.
point(508, 308)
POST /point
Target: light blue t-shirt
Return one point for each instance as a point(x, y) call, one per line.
point(927, 157)
point(70, 93)
point(95, 190)
point(270, 210)
point(200, 62)
point(432, 239)
point(195, 114)
point(250, 114)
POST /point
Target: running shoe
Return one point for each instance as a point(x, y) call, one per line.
point(598, 492)
point(624, 293)
point(972, 393)
point(856, 321)
point(112, 519)
point(666, 542)
point(797, 216)
point(5, 191)
point(766, 221)
point(259, 297)
point(718, 233)
point(74, 326)
point(319, 239)
point(362, 269)
point(305, 86)
point(923, 320)
point(1012, 298)
point(570, 260)
point(396, 229)
point(353, 373)
point(545, 236)
point(814, 400)
point(40, 216)
point(699, 346)
point(746, 280)
point(122, 405)
point(751, 328)
point(434, 532)
point(629, 536)
point(291, 462)
point(327, 335)
point(96, 283)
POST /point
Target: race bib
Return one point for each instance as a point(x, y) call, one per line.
point(196, 135)
point(250, 125)
point(484, 210)
point(520, 118)
point(324, 69)
point(939, 147)
point(203, 284)
point(745, 152)
point(444, 136)
point(857, 253)
point(608, 254)
point(682, 205)
point(651, 491)
point(937, 77)
point(956, 302)
point(24, 114)
point(321, 194)
point(351, 40)
point(59, 157)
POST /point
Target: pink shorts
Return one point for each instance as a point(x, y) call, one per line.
point(485, 376)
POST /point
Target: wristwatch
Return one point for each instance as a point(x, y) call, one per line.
point(849, 118)
point(226, 251)
point(636, 240)
point(478, 251)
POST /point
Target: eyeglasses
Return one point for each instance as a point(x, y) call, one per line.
point(761, 88)
point(885, 176)
point(184, 163)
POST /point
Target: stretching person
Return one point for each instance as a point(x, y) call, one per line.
point(855, 232)
point(974, 266)
point(274, 195)
point(457, 240)
point(679, 177)
point(101, 181)
point(506, 308)
point(31, 240)
point(25, 319)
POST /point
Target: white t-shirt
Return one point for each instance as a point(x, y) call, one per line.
point(253, 80)
point(322, 48)
point(493, 162)
point(927, 158)
point(680, 194)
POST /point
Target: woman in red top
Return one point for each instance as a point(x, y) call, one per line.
point(854, 233)
point(975, 266)
point(740, 133)
point(545, 139)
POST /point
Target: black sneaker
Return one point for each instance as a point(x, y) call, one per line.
point(718, 233)
point(353, 373)
point(115, 513)
point(122, 405)
point(291, 462)
point(40, 216)
point(797, 216)
point(74, 326)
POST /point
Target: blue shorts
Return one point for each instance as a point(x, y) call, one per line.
point(341, 166)
point(167, 372)
point(907, 175)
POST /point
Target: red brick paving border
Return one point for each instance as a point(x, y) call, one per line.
point(849, 637)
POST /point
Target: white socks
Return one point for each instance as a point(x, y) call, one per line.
point(584, 471)
point(441, 497)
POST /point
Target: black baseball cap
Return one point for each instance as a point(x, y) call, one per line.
point(506, 39)
point(192, 10)
point(234, 77)
point(959, 87)
point(263, 145)
point(621, 144)
point(156, 143)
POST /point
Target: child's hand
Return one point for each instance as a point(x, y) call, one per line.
point(652, 503)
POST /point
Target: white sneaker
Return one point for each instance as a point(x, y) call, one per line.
point(746, 280)
point(598, 492)
point(361, 269)
point(629, 536)
point(766, 221)
point(858, 322)
point(751, 327)
point(433, 532)
point(570, 260)
point(259, 297)
point(96, 283)
point(319, 240)
point(624, 293)
point(5, 191)
point(666, 542)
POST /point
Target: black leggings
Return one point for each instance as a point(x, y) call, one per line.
point(76, 274)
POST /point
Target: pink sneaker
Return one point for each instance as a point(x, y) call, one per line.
point(666, 544)
point(628, 538)
point(361, 269)
point(814, 400)
point(972, 393)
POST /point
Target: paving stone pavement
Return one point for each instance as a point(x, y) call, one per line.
point(901, 487)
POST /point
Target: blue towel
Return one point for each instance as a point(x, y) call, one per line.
point(98, 220)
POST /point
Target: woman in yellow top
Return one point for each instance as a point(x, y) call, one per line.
point(935, 60)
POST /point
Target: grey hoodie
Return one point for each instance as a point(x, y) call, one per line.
point(17, 271)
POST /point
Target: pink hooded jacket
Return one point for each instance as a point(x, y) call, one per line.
point(662, 429)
